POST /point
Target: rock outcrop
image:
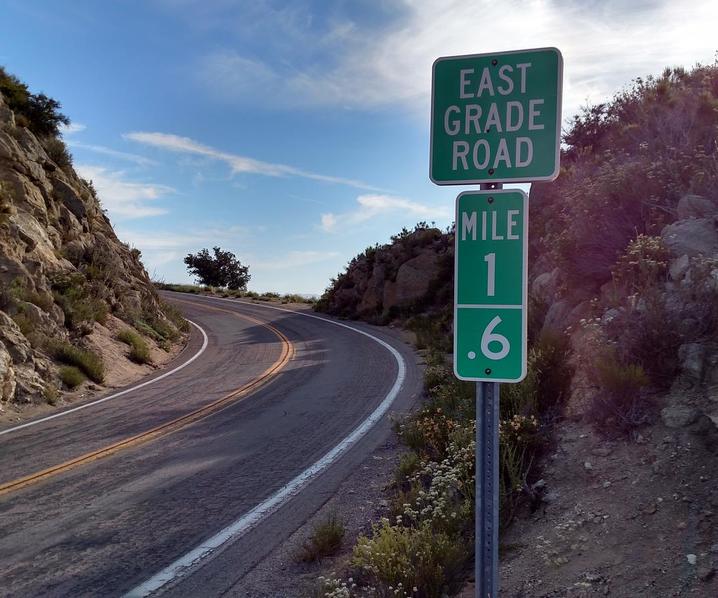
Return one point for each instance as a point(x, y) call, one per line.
point(412, 274)
point(61, 266)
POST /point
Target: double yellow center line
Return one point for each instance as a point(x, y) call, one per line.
point(175, 424)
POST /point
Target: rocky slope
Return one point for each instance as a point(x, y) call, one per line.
point(63, 272)
point(624, 266)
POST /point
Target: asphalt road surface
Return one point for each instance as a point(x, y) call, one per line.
point(180, 487)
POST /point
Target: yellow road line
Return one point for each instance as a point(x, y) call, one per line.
point(175, 424)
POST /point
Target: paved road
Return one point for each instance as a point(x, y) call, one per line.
point(111, 522)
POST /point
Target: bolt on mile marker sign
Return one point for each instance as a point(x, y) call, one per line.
point(496, 118)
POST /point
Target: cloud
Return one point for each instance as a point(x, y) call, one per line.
point(374, 65)
point(295, 259)
point(238, 164)
point(100, 149)
point(71, 128)
point(372, 205)
point(124, 199)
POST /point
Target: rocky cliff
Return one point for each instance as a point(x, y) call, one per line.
point(63, 271)
point(412, 274)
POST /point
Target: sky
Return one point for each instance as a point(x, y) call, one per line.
point(296, 134)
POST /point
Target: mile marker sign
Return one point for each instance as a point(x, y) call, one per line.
point(490, 278)
point(496, 118)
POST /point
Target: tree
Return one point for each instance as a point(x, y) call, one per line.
point(221, 270)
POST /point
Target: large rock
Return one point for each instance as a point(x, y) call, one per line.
point(412, 280)
point(696, 236)
point(545, 285)
point(372, 299)
point(679, 416)
point(7, 376)
point(692, 357)
point(557, 316)
point(679, 267)
point(696, 206)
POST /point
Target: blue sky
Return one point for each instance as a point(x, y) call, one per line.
point(295, 134)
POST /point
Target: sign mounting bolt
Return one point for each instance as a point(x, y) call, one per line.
point(491, 171)
point(487, 371)
point(494, 62)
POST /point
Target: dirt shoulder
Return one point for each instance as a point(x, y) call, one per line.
point(119, 371)
point(624, 518)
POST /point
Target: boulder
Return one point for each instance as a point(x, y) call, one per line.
point(679, 416)
point(556, 319)
point(7, 375)
point(696, 236)
point(68, 196)
point(692, 357)
point(13, 340)
point(545, 285)
point(679, 267)
point(696, 206)
point(412, 280)
point(371, 301)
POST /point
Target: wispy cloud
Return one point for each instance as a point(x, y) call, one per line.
point(72, 128)
point(238, 164)
point(373, 205)
point(124, 199)
point(106, 151)
point(605, 46)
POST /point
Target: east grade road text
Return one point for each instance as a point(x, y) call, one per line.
point(512, 116)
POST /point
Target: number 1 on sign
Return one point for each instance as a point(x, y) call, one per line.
point(490, 260)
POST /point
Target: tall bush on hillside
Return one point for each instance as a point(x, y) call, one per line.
point(222, 269)
point(626, 164)
point(41, 113)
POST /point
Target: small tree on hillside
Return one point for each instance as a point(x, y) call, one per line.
point(222, 269)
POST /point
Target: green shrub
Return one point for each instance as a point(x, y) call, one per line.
point(621, 404)
point(57, 152)
point(409, 463)
point(646, 333)
point(36, 111)
point(87, 361)
point(406, 558)
point(139, 351)
point(51, 394)
point(79, 301)
point(24, 322)
point(325, 540)
point(643, 265)
point(175, 316)
point(71, 376)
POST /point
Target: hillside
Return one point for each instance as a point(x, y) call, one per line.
point(68, 286)
point(609, 445)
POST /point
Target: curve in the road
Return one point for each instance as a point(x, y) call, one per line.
point(165, 428)
point(190, 561)
point(205, 342)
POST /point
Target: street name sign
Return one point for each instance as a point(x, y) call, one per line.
point(490, 285)
point(496, 118)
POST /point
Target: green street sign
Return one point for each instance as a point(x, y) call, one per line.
point(490, 278)
point(496, 118)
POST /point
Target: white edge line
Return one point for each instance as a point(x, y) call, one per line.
point(189, 561)
point(117, 394)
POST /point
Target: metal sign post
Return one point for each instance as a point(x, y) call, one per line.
point(495, 118)
point(486, 519)
point(487, 490)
